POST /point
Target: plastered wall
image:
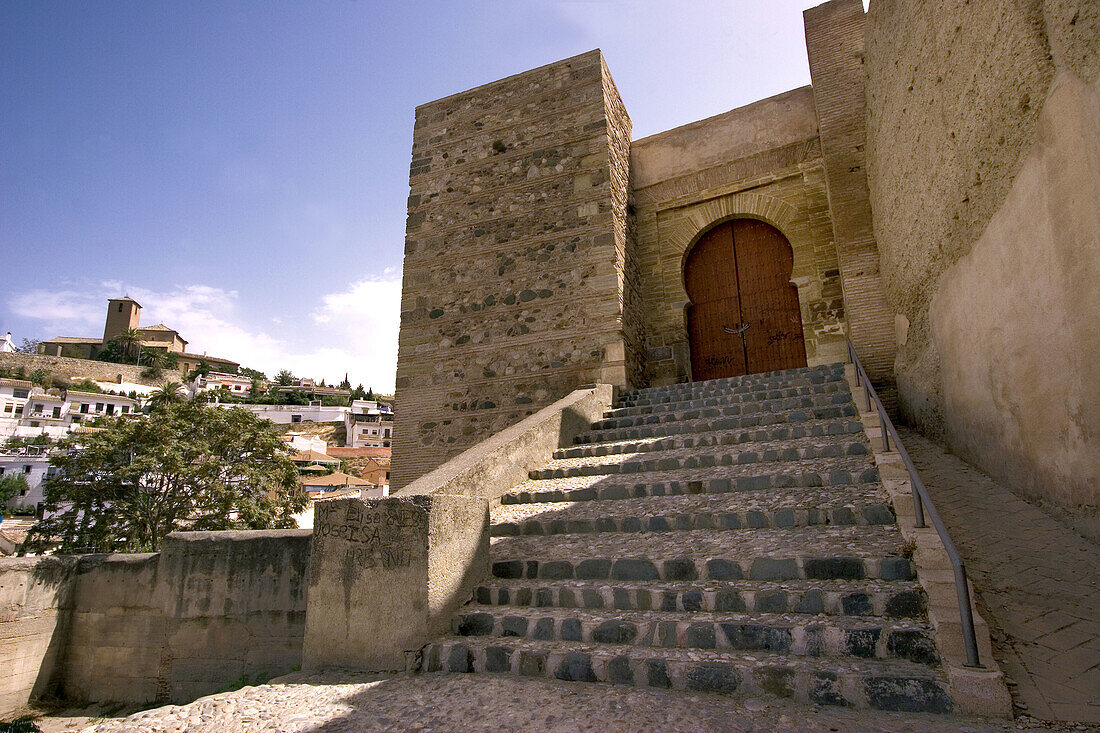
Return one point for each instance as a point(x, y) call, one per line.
point(984, 171)
point(168, 626)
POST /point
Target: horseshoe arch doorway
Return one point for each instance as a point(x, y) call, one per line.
point(743, 315)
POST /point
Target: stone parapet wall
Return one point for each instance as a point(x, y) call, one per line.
point(166, 627)
point(386, 575)
point(514, 274)
point(100, 371)
point(34, 593)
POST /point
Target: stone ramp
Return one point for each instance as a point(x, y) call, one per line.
point(728, 536)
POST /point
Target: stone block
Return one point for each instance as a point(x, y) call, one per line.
point(386, 576)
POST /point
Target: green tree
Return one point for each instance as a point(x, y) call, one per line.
point(169, 393)
point(284, 378)
point(86, 385)
point(11, 486)
point(129, 342)
point(155, 362)
point(253, 374)
point(201, 370)
point(41, 377)
point(188, 466)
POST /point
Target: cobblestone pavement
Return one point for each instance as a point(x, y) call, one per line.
point(476, 703)
point(1037, 580)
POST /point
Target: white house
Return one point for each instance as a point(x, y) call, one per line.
point(234, 383)
point(283, 414)
point(33, 464)
point(369, 424)
point(87, 405)
point(13, 397)
point(27, 410)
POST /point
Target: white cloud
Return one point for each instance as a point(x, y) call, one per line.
point(352, 331)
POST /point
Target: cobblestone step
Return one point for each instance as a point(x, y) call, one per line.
point(786, 377)
point(866, 637)
point(837, 472)
point(839, 430)
point(714, 424)
point(865, 504)
point(815, 553)
point(881, 684)
point(702, 458)
point(806, 402)
point(892, 599)
point(729, 397)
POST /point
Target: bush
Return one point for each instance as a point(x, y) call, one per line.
point(86, 385)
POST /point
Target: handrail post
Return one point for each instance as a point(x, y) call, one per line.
point(970, 641)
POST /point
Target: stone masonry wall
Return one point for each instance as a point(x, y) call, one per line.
point(75, 368)
point(514, 276)
point(761, 161)
point(983, 130)
point(834, 44)
point(167, 627)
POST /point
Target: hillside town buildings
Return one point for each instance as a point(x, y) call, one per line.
point(124, 314)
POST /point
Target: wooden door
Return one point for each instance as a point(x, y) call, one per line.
point(744, 316)
point(710, 275)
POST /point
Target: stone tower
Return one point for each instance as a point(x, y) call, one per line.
point(517, 284)
point(122, 314)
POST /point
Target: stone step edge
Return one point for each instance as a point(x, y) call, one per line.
point(707, 425)
point(808, 480)
point(809, 635)
point(714, 568)
point(906, 599)
point(879, 684)
point(845, 515)
point(708, 460)
point(765, 407)
point(835, 371)
point(843, 432)
point(732, 397)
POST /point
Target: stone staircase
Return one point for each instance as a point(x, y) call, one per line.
point(726, 536)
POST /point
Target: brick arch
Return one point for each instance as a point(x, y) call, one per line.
point(781, 215)
point(693, 224)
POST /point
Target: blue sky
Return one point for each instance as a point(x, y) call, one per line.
point(241, 168)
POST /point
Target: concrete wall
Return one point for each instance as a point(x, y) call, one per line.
point(75, 368)
point(168, 626)
point(761, 161)
point(515, 281)
point(984, 170)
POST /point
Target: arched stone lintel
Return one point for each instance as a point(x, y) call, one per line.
point(776, 212)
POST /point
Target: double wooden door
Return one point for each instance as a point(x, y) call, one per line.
point(744, 316)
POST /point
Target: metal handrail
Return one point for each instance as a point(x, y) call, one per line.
point(921, 502)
